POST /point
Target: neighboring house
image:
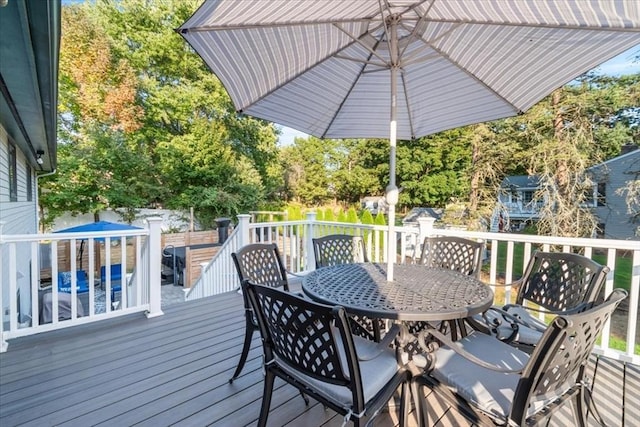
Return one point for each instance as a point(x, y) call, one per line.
point(374, 204)
point(516, 204)
point(29, 51)
point(610, 206)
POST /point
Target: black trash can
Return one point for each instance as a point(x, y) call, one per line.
point(223, 229)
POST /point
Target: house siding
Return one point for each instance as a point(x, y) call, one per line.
point(18, 217)
point(617, 173)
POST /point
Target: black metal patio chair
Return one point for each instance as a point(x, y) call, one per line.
point(310, 346)
point(553, 282)
point(491, 382)
point(452, 253)
point(338, 249)
point(261, 263)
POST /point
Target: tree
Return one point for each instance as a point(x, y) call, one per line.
point(576, 127)
point(306, 170)
point(100, 164)
point(132, 89)
point(491, 156)
point(353, 177)
point(632, 192)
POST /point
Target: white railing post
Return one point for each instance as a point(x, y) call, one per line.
point(310, 260)
point(3, 344)
point(243, 226)
point(425, 225)
point(155, 257)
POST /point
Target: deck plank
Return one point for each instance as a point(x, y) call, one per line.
point(632, 395)
point(174, 370)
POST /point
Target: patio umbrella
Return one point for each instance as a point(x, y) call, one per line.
point(402, 69)
point(93, 227)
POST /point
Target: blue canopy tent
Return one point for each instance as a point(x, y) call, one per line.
point(93, 227)
point(98, 226)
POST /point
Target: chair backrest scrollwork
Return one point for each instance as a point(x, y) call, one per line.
point(559, 281)
point(336, 249)
point(454, 253)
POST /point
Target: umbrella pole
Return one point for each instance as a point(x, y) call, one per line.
point(392, 190)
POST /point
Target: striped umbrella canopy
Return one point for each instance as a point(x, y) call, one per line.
point(402, 68)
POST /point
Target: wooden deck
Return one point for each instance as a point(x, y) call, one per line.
point(174, 370)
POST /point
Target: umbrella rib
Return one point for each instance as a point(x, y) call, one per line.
point(406, 100)
point(292, 78)
point(383, 66)
point(413, 59)
point(473, 76)
point(270, 25)
point(358, 40)
point(344, 99)
point(385, 26)
point(537, 25)
point(414, 31)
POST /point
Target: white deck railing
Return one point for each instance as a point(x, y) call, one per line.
point(294, 240)
point(20, 269)
point(24, 296)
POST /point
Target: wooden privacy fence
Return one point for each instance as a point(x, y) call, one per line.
point(198, 247)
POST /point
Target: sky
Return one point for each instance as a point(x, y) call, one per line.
point(619, 65)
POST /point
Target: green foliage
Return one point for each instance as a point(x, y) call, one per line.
point(329, 215)
point(294, 213)
point(342, 216)
point(352, 216)
point(366, 217)
point(319, 215)
point(306, 176)
point(146, 123)
point(380, 219)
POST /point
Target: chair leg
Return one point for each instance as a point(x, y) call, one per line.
point(269, 379)
point(248, 335)
point(580, 409)
point(418, 402)
point(404, 404)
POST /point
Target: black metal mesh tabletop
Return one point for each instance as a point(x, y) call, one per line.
point(417, 292)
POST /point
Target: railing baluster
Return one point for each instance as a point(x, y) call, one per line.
point(634, 295)
point(35, 285)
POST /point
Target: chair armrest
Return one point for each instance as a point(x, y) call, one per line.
point(515, 284)
point(577, 309)
point(382, 346)
point(422, 336)
point(508, 317)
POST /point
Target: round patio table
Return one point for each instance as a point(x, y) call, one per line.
point(418, 292)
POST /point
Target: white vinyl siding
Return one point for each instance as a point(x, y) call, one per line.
point(18, 217)
point(616, 173)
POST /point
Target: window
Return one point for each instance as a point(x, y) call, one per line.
point(600, 231)
point(514, 195)
point(29, 184)
point(527, 197)
point(13, 175)
point(596, 195)
point(602, 194)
